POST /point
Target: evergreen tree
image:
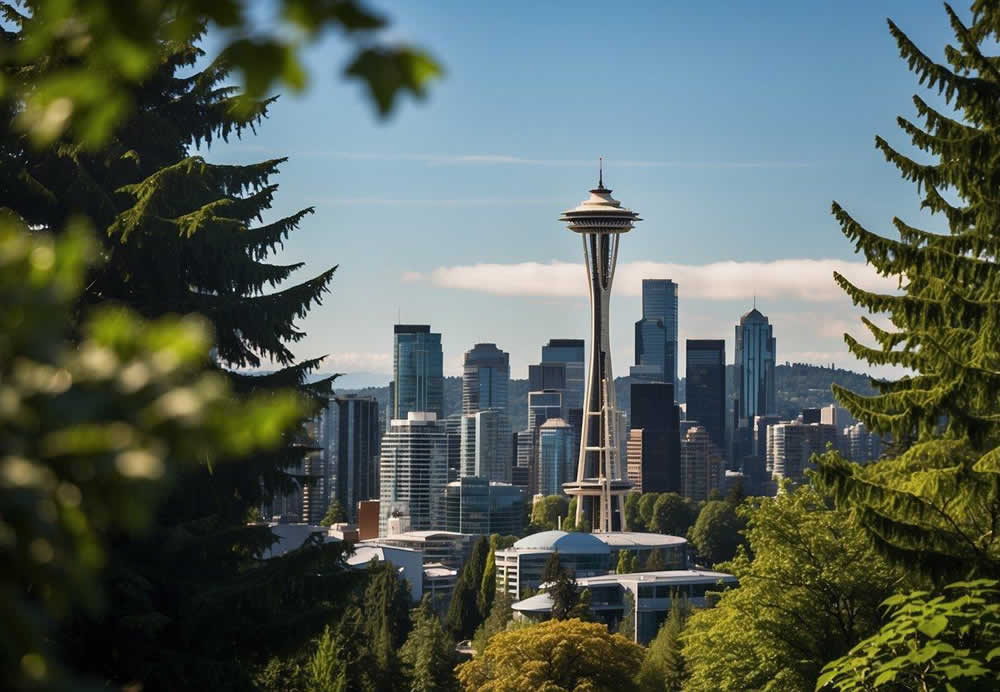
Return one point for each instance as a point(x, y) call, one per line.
point(662, 669)
point(936, 506)
point(464, 615)
point(500, 616)
point(328, 666)
point(561, 587)
point(386, 621)
point(429, 653)
point(182, 235)
point(488, 585)
point(626, 626)
point(334, 514)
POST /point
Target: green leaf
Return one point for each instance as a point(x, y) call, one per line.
point(934, 626)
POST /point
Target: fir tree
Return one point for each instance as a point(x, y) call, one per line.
point(429, 653)
point(386, 621)
point(662, 669)
point(499, 617)
point(183, 235)
point(561, 587)
point(334, 514)
point(936, 506)
point(626, 626)
point(488, 585)
point(328, 666)
point(464, 615)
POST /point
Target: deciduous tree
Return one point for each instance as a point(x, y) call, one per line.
point(716, 533)
point(554, 655)
point(811, 592)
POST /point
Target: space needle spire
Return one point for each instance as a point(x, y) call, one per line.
point(600, 486)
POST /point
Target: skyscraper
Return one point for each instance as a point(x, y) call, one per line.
point(655, 413)
point(600, 485)
point(355, 458)
point(486, 448)
point(702, 470)
point(418, 378)
point(555, 456)
point(706, 387)
point(413, 468)
point(568, 353)
point(790, 446)
point(656, 332)
point(485, 378)
point(755, 360)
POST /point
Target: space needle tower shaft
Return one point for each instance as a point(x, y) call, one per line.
point(600, 486)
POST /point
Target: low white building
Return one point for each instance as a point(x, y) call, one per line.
point(409, 563)
point(652, 596)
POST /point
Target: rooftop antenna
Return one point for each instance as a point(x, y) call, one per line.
point(600, 173)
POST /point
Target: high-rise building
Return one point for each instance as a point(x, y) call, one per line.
point(755, 361)
point(569, 353)
point(453, 435)
point(702, 469)
point(524, 473)
point(656, 333)
point(600, 484)
point(413, 466)
point(544, 405)
point(418, 377)
point(485, 379)
point(479, 506)
point(861, 444)
point(706, 387)
point(485, 445)
point(355, 450)
point(790, 447)
point(555, 456)
point(633, 459)
point(655, 413)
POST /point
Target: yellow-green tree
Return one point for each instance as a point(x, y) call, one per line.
point(554, 656)
point(811, 591)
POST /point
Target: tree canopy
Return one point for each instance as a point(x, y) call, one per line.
point(935, 506)
point(811, 591)
point(716, 534)
point(555, 656)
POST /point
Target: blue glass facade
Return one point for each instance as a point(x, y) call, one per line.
point(656, 332)
point(485, 379)
point(755, 361)
point(556, 460)
point(418, 383)
point(706, 386)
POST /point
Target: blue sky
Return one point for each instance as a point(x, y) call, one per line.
point(730, 127)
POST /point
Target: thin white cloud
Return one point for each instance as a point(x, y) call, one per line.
point(797, 279)
point(413, 276)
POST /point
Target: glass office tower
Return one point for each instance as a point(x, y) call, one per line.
point(755, 361)
point(418, 377)
point(485, 379)
point(706, 387)
point(656, 332)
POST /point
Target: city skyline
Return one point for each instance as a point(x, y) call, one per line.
point(737, 205)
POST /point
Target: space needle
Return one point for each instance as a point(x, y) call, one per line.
point(600, 485)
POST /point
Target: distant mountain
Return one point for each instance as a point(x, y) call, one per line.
point(799, 386)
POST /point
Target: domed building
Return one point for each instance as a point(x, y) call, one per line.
point(520, 567)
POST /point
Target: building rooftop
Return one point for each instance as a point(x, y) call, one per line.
point(555, 423)
point(673, 576)
point(624, 539)
point(563, 541)
point(420, 536)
